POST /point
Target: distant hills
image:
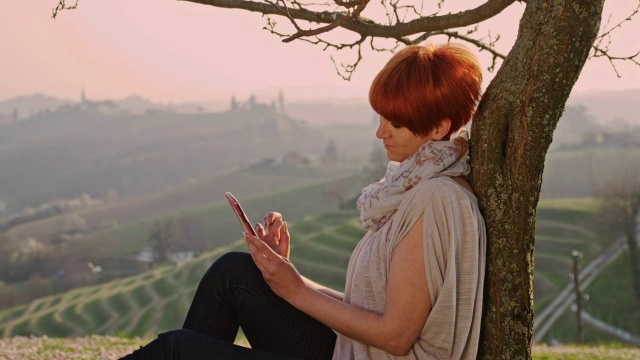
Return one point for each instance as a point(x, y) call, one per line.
point(54, 148)
point(613, 108)
point(118, 147)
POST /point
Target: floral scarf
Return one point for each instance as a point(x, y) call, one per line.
point(380, 200)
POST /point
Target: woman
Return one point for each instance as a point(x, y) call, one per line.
point(414, 282)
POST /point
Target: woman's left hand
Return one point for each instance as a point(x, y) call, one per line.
point(278, 271)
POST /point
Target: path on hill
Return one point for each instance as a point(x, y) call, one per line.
point(545, 320)
point(608, 328)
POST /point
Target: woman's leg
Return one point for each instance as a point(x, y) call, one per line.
point(190, 345)
point(233, 293)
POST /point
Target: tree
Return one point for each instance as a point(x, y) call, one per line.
point(375, 168)
point(330, 155)
point(161, 237)
point(234, 104)
point(514, 122)
point(619, 209)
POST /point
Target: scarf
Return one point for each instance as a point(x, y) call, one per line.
point(380, 200)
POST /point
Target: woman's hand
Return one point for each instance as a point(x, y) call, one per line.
point(277, 270)
point(277, 234)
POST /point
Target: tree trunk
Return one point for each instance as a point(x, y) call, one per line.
point(512, 132)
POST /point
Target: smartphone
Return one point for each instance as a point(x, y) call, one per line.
point(244, 220)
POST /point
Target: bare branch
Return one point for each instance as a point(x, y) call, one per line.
point(347, 4)
point(480, 44)
point(393, 49)
point(598, 52)
point(348, 69)
point(63, 6)
point(337, 23)
point(607, 32)
point(601, 46)
point(367, 27)
point(397, 29)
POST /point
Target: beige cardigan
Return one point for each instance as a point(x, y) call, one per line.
point(454, 256)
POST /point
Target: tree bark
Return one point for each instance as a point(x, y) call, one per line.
point(511, 134)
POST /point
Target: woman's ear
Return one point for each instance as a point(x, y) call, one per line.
point(442, 129)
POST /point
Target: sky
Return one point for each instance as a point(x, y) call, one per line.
point(177, 51)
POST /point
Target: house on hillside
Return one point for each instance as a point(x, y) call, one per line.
point(77, 272)
point(186, 247)
point(293, 159)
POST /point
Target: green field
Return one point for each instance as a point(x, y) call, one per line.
point(611, 300)
point(157, 300)
point(563, 225)
point(294, 192)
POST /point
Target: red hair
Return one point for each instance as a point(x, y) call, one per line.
point(422, 85)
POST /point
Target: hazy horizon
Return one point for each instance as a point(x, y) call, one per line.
point(184, 52)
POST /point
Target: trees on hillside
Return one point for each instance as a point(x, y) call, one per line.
point(619, 212)
point(161, 237)
point(513, 127)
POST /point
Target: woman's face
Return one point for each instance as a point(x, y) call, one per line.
point(399, 141)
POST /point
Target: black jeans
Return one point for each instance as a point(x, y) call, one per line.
point(234, 294)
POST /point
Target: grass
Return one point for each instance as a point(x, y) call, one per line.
point(611, 299)
point(563, 225)
point(41, 348)
point(572, 352)
point(110, 347)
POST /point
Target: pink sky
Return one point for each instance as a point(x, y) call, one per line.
point(174, 51)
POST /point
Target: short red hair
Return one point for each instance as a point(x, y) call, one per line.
point(422, 85)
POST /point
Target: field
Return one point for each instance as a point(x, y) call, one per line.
point(157, 300)
point(295, 192)
point(563, 225)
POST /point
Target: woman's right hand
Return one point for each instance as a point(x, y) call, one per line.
point(276, 234)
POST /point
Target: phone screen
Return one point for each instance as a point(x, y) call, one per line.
point(244, 220)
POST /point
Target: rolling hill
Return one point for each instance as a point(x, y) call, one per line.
point(157, 300)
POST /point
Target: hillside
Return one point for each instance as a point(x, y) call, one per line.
point(107, 152)
point(611, 108)
point(157, 300)
point(113, 235)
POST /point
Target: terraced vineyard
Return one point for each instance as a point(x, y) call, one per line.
point(158, 300)
point(137, 305)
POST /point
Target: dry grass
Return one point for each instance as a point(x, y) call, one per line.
point(109, 347)
point(594, 352)
point(44, 348)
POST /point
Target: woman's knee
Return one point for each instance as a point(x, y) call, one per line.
point(232, 258)
point(229, 266)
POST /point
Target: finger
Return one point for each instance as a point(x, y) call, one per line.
point(258, 258)
point(259, 230)
point(285, 241)
point(275, 228)
point(261, 247)
point(284, 234)
point(271, 217)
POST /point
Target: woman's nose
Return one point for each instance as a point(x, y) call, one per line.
point(382, 131)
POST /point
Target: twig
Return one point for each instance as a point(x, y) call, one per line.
point(601, 46)
point(63, 6)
